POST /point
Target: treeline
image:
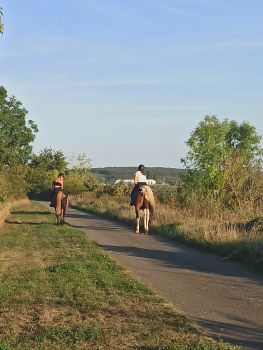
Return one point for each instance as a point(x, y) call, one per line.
point(21, 171)
point(162, 175)
point(16, 136)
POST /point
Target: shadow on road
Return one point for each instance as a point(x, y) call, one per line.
point(98, 223)
point(248, 337)
point(180, 257)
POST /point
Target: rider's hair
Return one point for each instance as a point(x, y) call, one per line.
point(61, 174)
point(141, 167)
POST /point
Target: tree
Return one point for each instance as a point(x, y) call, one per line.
point(16, 134)
point(1, 22)
point(44, 167)
point(79, 177)
point(214, 146)
point(49, 159)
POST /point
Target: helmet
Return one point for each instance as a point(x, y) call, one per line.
point(61, 175)
point(141, 167)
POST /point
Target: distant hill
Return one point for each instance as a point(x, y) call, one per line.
point(160, 174)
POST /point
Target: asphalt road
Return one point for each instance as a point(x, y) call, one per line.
point(224, 298)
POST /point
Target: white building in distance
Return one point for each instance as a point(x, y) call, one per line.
point(149, 182)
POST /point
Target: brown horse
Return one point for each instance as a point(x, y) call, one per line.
point(61, 203)
point(145, 202)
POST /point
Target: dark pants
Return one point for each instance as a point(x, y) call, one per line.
point(135, 192)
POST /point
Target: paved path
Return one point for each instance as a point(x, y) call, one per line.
point(224, 298)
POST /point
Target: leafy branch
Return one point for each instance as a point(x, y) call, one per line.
point(1, 22)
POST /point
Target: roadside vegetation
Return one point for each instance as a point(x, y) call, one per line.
point(217, 205)
point(59, 291)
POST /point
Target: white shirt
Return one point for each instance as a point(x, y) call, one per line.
point(139, 177)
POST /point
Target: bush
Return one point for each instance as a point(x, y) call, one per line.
point(78, 181)
point(13, 184)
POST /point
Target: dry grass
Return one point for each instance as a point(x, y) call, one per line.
point(5, 208)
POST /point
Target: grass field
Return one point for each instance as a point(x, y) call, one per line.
point(59, 291)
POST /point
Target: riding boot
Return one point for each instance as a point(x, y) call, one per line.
point(52, 202)
point(133, 196)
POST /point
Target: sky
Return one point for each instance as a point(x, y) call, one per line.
point(126, 82)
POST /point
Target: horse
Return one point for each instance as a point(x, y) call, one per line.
point(145, 202)
point(61, 202)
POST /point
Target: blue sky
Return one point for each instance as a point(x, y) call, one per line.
point(126, 82)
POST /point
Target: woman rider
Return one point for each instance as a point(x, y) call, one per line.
point(57, 185)
point(139, 180)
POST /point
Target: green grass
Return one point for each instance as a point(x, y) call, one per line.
point(59, 291)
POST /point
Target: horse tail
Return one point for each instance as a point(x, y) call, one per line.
point(152, 211)
point(150, 198)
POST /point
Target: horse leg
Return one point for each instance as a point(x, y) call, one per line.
point(146, 220)
point(137, 222)
point(62, 216)
point(58, 216)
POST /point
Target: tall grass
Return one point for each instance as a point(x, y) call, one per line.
point(7, 206)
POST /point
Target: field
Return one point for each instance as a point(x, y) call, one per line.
point(59, 291)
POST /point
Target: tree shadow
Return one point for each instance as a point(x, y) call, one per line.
point(17, 222)
point(31, 212)
point(187, 258)
point(236, 334)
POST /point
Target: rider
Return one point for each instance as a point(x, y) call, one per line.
point(57, 185)
point(139, 180)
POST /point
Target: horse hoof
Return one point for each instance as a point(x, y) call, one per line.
point(137, 232)
point(146, 232)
